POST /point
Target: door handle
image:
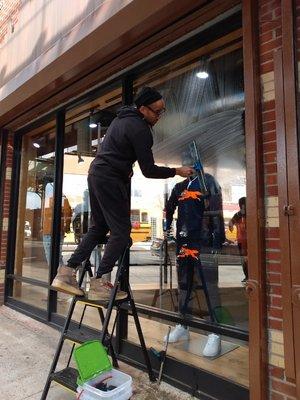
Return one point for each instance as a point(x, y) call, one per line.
point(289, 210)
point(251, 287)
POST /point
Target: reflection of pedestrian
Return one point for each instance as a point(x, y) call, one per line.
point(80, 218)
point(239, 220)
point(127, 140)
point(66, 215)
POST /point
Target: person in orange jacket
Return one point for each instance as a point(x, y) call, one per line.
point(239, 220)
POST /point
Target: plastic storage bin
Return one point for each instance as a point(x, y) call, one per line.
point(122, 381)
point(95, 367)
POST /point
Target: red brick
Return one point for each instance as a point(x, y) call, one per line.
point(283, 387)
point(271, 179)
point(272, 45)
point(270, 157)
point(269, 136)
point(272, 190)
point(275, 312)
point(273, 267)
point(266, 37)
point(269, 126)
point(268, 26)
point(268, 116)
point(275, 324)
point(266, 17)
point(268, 105)
point(273, 277)
point(275, 301)
point(272, 232)
point(264, 58)
point(274, 289)
point(273, 244)
point(277, 396)
point(267, 67)
point(276, 372)
point(277, 12)
point(270, 168)
point(269, 147)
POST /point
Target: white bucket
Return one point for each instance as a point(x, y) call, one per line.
point(122, 381)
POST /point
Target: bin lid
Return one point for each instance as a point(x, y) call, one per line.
point(92, 360)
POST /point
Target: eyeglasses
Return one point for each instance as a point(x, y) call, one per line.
point(157, 112)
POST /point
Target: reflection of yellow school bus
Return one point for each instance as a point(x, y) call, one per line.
point(141, 228)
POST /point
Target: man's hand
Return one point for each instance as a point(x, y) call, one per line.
point(185, 171)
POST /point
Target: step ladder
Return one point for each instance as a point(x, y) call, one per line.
point(68, 376)
point(203, 286)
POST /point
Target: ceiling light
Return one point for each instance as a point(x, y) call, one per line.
point(202, 75)
point(36, 145)
point(94, 118)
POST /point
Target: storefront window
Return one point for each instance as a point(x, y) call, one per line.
point(35, 206)
point(85, 127)
point(189, 255)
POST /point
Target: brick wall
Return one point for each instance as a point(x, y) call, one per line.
point(9, 11)
point(270, 40)
point(7, 185)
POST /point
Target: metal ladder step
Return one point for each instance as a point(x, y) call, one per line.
point(66, 378)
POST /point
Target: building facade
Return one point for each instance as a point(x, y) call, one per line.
point(228, 71)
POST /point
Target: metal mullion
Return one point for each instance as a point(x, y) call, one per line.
point(25, 279)
point(192, 322)
point(122, 320)
point(56, 221)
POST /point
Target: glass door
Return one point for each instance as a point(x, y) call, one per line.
point(34, 220)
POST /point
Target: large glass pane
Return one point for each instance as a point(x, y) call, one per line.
point(85, 127)
point(189, 255)
point(36, 296)
point(34, 224)
point(204, 119)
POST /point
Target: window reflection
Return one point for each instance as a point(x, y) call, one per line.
point(35, 206)
point(205, 111)
point(85, 127)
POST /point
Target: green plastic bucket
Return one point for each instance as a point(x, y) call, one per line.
point(91, 360)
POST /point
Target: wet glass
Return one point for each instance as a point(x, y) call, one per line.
point(203, 127)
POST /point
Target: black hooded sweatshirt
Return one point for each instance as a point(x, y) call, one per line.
point(127, 140)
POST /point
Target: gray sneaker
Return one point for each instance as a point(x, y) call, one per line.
point(65, 281)
point(101, 290)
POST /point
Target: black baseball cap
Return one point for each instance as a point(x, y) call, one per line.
point(147, 96)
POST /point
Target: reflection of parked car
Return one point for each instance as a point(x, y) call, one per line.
point(27, 230)
point(157, 244)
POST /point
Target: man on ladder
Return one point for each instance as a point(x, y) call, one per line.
point(128, 139)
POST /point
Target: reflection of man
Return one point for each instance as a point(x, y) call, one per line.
point(128, 139)
point(66, 215)
point(192, 206)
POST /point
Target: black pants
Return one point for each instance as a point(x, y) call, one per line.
point(187, 276)
point(110, 212)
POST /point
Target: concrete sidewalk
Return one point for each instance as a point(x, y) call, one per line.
point(26, 351)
